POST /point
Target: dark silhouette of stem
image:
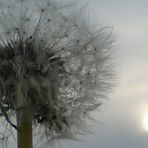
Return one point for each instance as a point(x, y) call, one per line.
point(24, 124)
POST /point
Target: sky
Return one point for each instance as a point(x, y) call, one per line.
point(123, 119)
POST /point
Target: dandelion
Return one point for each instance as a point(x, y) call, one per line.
point(54, 67)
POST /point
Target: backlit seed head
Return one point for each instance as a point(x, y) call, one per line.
point(61, 69)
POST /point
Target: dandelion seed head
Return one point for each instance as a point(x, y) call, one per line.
point(61, 69)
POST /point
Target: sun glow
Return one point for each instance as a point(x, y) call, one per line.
point(145, 122)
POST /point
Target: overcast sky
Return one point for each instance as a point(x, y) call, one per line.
point(123, 118)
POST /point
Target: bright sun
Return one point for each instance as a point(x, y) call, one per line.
point(145, 122)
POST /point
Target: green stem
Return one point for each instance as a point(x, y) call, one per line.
point(24, 124)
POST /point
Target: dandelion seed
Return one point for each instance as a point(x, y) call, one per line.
point(78, 41)
point(81, 82)
point(49, 20)
point(42, 10)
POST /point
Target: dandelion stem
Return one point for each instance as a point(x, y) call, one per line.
point(24, 123)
